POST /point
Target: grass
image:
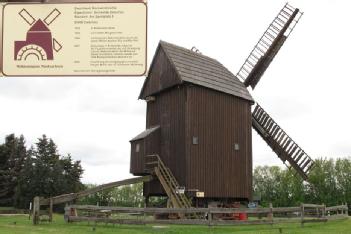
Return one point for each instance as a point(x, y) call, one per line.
point(21, 225)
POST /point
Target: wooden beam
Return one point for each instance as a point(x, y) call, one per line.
point(72, 196)
point(36, 210)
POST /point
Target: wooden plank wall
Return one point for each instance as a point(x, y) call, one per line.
point(168, 111)
point(137, 158)
point(219, 121)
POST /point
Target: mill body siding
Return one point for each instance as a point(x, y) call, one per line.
point(185, 109)
point(213, 165)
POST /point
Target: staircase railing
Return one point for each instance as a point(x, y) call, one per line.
point(154, 165)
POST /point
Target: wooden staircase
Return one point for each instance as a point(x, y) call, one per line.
point(268, 45)
point(280, 142)
point(155, 166)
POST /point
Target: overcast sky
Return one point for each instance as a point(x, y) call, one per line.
point(306, 88)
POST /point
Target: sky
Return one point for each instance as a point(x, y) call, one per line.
point(305, 90)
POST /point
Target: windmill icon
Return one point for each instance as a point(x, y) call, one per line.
point(39, 43)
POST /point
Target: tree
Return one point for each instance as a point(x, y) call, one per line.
point(266, 182)
point(46, 173)
point(323, 184)
point(125, 196)
point(72, 171)
point(343, 178)
point(12, 155)
point(26, 190)
point(329, 183)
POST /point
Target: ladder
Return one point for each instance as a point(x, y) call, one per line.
point(268, 45)
point(280, 142)
point(154, 165)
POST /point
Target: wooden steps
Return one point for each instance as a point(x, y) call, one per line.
point(154, 165)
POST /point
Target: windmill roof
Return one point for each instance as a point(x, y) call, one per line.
point(39, 26)
point(202, 70)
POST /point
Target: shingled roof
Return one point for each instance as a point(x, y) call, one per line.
point(202, 70)
point(145, 133)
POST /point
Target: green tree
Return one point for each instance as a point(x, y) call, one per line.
point(46, 173)
point(329, 183)
point(322, 186)
point(125, 196)
point(343, 177)
point(72, 171)
point(26, 189)
point(12, 155)
point(266, 182)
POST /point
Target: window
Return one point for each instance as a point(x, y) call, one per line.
point(236, 146)
point(195, 140)
point(137, 148)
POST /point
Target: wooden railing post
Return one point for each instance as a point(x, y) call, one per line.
point(270, 214)
point(323, 211)
point(346, 209)
point(67, 213)
point(209, 216)
point(302, 214)
point(51, 206)
point(342, 208)
point(30, 210)
point(36, 210)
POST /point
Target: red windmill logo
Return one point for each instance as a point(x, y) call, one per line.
point(39, 42)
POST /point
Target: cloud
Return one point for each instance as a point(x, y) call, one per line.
point(99, 155)
point(37, 88)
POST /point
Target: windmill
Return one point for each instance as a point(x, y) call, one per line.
point(39, 42)
point(251, 72)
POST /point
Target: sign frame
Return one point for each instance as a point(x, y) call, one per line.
point(48, 2)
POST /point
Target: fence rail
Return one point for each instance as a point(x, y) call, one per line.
point(206, 216)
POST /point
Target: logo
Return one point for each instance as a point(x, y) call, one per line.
point(39, 43)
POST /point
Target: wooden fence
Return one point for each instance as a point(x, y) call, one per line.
point(205, 216)
point(66, 198)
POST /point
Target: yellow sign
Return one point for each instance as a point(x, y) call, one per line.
point(80, 39)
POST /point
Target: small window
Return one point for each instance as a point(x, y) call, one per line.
point(195, 140)
point(137, 148)
point(236, 146)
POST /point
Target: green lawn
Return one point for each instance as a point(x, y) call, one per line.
point(21, 225)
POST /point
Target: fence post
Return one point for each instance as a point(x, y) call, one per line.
point(30, 210)
point(302, 213)
point(146, 201)
point(323, 210)
point(51, 205)
point(36, 210)
point(67, 213)
point(346, 209)
point(342, 209)
point(270, 214)
point(209, 215)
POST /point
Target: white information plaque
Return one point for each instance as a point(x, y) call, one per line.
point(74, 39)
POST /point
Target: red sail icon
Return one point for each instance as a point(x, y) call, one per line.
point(39, 42)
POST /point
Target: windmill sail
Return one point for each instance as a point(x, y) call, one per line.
point(268, 46)
point(280, 142)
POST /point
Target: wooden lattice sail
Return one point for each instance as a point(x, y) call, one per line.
point(268, 45)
